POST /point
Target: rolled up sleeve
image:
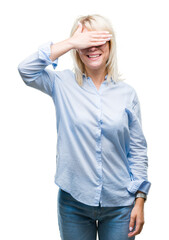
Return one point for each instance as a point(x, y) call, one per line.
point(32, 69)
point(137, 155)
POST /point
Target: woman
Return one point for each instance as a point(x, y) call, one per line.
point(101, 149)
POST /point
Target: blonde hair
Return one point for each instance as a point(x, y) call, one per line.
point(96, 22)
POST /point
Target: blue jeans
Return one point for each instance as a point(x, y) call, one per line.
point(78, 221)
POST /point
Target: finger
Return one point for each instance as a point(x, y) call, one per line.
point(100, 40)
point(132, 222)
point(103, 36)
point(134, 233)
point(99, 32)
point(137, 230)
point(79, 29)
point(98, 43)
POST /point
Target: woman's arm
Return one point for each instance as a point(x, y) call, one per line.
point(60, 48)
point(32, 69)
point(79, 40)
point(138, 162)
point(137, 155)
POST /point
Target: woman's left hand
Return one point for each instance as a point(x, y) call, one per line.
point(137, 216)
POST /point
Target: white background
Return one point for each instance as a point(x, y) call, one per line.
point(28, 194)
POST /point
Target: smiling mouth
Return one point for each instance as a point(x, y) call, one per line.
point(94, 56)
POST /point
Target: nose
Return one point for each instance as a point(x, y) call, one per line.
point(93, 48)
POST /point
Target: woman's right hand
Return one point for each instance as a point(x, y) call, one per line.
point(81, 40)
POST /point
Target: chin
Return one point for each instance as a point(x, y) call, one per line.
point(94, 65)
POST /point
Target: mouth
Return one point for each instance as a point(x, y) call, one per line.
point(94, 57)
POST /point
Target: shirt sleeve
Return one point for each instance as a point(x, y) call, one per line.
point(137, 155)
point(32, 69)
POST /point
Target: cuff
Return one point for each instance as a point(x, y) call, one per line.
point(44, 52)
point(141, 185)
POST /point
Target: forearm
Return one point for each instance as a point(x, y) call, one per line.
point(60, 48)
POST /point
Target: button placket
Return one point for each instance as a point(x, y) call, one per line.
point(98, 140)
point(98, 151)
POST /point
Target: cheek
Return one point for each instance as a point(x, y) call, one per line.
point(81, 52)
point(107, 55)
point(82, 57)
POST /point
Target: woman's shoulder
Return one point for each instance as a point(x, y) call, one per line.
point(65, 72)
point(64, 75)
point(126, 86)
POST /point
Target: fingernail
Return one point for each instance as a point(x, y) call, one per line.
point(130, 228)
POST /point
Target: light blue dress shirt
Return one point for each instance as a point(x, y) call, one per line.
point(101, 149)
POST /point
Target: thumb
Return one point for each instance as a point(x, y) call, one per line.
point(131, 224)
point(79, 29)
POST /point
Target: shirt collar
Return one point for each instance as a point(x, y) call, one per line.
point(87, 78)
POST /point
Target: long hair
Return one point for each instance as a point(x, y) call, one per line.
point(96, 22)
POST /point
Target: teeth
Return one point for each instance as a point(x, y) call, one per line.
point(94, 56)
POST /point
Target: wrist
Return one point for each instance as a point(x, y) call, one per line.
point(70, 43)
point(140, 197)
point(139, 201)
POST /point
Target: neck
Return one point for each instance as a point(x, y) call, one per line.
point(98, 76)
